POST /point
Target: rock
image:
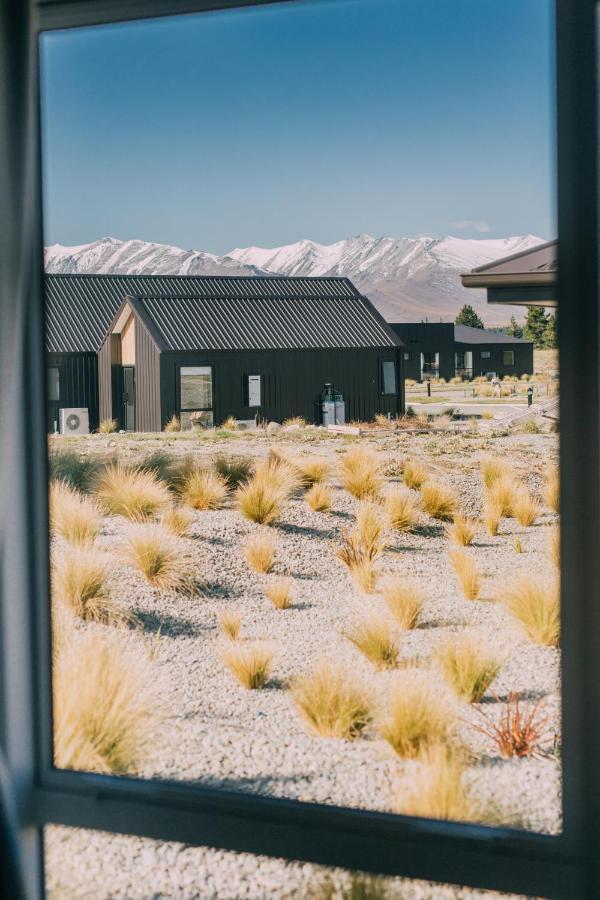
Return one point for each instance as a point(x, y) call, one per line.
point(273, 428)
point(292, 428)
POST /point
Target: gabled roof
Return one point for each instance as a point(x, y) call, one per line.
point(225, 311)
point(466, 334)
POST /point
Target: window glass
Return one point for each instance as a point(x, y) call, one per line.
point(508, 357)
point(53, 384)
point(388, 368)
point(485, 354)
point(196, 388)
point(254, 390)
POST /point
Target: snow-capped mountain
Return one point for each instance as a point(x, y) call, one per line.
point(408, 279)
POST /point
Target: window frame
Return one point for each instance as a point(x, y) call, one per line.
point(392, 363)
point(492, 858)
point(506, 353)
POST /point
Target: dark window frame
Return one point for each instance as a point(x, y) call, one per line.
point(495, 858)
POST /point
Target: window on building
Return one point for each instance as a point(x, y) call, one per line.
point(254, 390)
point(196, 395)
point(53, 384)
point(406, 357)
point(508, 357)
point(485, 354)
point(430, 365)
point(388, 372)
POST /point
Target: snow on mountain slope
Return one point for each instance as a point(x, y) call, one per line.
point(408, 279)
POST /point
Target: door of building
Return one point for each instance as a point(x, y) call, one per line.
point(129, 398)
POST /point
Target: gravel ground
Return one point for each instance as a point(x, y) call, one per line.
point(215, 732)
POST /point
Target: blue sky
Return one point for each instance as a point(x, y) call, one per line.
point(319, 119)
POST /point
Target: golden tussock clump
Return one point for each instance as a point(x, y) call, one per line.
point(229, 424)
point(372, 635)
point(437, 790)
point(552, 490)
point(204, 489)
point(262, 497)
point(554, 545)
point(467, 666)
point(250, 664)
point(400, 509)
point(312, 470)
point(466, 572)
point(525, 508)
point(414, 474)
point(137, 495)
point(492, 515)
point(492, 470)
point(363, 545)
point(72, 516)
point(230, 623)
point(259, 551)
point(439, 501)
point(279, 593)
point(503, 494)
point(177, 520)
point(104, 705)
point(332, 701)
point(462, 531)
point(360, 473)
point(319, 498)
point(404, 599)
point(536, 605)
point(418, 716)
point(151, 550)
point(108, 426)
point(172, 425)
point(79, 580)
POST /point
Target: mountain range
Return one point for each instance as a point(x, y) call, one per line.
point(408, 279)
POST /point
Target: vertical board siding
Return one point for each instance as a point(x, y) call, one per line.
point(147, 381)
point(110, 382)
point(78, 384)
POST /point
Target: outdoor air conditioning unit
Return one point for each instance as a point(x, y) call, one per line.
point(74, 421)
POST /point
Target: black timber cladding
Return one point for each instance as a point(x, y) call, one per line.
point(80, 308)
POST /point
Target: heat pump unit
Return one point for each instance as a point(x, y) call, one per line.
point(74, 421)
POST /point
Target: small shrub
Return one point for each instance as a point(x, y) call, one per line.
point(554, 545)
point(230, 623)
point(108, 426)
point(418, 717)
point(104, 705)
point(177, 520)
point(492, 470)
point(437, 790)
point(158, 559)
point(439, 501)
point(536, 605)
point(138, 496)
point(79, 580)
point(467, 667)
point(174, 424)
point(404, 599)
point(279, 593)
point(524, 507)
point(462, 531)
point(372, 635)
point(74, 470)
point(552, 490)
point(332, 701)
point(204, 489)
point(466, 573)
point(516, 734)
point(250, 664)
point(360, 473)
point(259, 551)
point(491, 518)
point(503, 494)
point(319, 498)
point(414, 474)
point(72, 516)
point(235, 470)
point(400, 510)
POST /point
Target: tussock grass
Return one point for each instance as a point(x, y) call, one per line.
point(79, 472)
point(370, 527)
point(174, 424)
point(462, 531)
point(466, 572)
point(151, 550)
point(439, 501)
point(138, 496)
point(401, 510)
point(108, 426)
point(360, 473)
point(279, 593)
point(230, 623)
point(177, 520)
point(363, 545)
point(492, 515)
point(230, 424)
point(525, 508)
point(160, 464)
point(259, 551)
point(104, 706)
point(261, 499)
point(536, 605)
point(552, 490)
point(437, 789)
point(235, 470)
point(414, 474)
point(493, 469)
point(419, 715)
point(72, 516)
point(372, 635)
point(204, 489)
point(300, 421)
point(312, 470)
point(80, 581)
point(250, 664)
point(319, 497)
point(467, 666)
point(554, 545)
point(404, 599)
point(332, 701)
point(503, 494)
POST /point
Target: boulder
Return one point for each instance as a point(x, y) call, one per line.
point(273, 428)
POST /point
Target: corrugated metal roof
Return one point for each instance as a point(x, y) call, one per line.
point(466, 334)
point(227, 312)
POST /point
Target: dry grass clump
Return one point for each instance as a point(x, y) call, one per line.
point(467, 666)
point(491, 518)
point(156, 556)
point(552, 490)
point(174, 424)
point(360, 473)
point(419, 715)
point(124, 491)
point(503, 495)
point(177, 520)
point(230, 623)
point(300, 421)
point(79, 580)
point(536, 605)
point(250, 664)
point(401, 510)
point(462, 531)
point(230, 424)
point(437, 789)
point(104, 707)
point(259, 551)
point(554, 545)
point(524, 507)
point(108, 426)
point(312, 470)
point(370, 526)
point(332, 701)
point(492, 470)
point(236, 470)
point(466, 572)
point(262, 497)
point(363, 545)
point(204, 489)
point(414, 474)
point(372, 635)
point(79, 472)
point(439, 501)
point(404, 599)
point(516, 733)
point(319, 497)
point(279, 593)
point(73, 517)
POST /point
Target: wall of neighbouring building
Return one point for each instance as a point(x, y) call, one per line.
point(78, 381)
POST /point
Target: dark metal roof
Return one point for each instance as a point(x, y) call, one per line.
point(527, 278)
point(465, 334)
point(221, 312)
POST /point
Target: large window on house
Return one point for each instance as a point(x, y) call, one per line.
point(388, 376)
point(196, 396)
point(508, 357)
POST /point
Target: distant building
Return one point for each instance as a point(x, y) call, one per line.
point(444, 350)
point(523, 279)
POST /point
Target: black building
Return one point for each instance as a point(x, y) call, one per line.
point(444, 350)
point(142, 348)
